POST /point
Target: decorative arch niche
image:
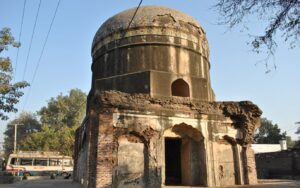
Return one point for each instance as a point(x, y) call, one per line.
point(180, 88)
point(132, 159)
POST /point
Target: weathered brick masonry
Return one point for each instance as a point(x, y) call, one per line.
point(130, 122)
point(105, 145)
point(152, 119)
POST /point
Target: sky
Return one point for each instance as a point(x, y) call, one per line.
point(236, 72)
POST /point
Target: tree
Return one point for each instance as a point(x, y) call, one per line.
point(44, 140)
point(268, 133)
point(9, 92)
point(298, 129)
point(290, 142)
point(281, 16)
point(60, 119)
point(66, 110)
point(27, 124)
point(297, 143)
point(51, 139)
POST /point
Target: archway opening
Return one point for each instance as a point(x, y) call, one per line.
point(180, 88)
point(173, 161)
point(185, 157)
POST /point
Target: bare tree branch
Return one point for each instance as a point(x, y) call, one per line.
point(282, 16)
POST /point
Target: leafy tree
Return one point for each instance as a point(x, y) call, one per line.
point(60, 118)
point(9, 92)
point(280, 16)
point(51, 139)
point(27, 124)
point(66, 110)
point(41, 141)
point(268, 133)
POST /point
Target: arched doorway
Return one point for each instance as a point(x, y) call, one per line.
point(180, 88)
point(184, 157)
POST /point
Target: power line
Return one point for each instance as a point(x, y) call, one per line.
point(292, 129)
point(33, 31)
point(19, 39)
point(137, 8)
point(42, 52)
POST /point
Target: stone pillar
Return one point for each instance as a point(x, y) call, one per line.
point(240, 163)
point(249, 166)
point(210, 163)
point(237, 166)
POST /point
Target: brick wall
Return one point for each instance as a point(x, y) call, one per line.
point(93, 131)
point(105, 152)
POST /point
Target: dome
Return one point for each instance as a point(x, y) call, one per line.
point(163, 53)
point(148, 16)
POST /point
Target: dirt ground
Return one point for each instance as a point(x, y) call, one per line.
point(60, 183)
point(57, 183)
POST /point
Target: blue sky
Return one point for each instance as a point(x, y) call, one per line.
point(236, 72)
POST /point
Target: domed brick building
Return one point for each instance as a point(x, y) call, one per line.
point(152, 119)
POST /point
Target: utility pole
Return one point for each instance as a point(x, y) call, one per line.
point(2, 148)
point(15, 137)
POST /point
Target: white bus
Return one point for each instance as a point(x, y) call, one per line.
point(39, 163)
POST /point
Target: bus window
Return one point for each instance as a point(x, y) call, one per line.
point(40, 162)
point(25, 161)
point(13, 161)
point(54, 162)
point(67, 162)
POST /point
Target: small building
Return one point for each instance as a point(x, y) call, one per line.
point(152, 119)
